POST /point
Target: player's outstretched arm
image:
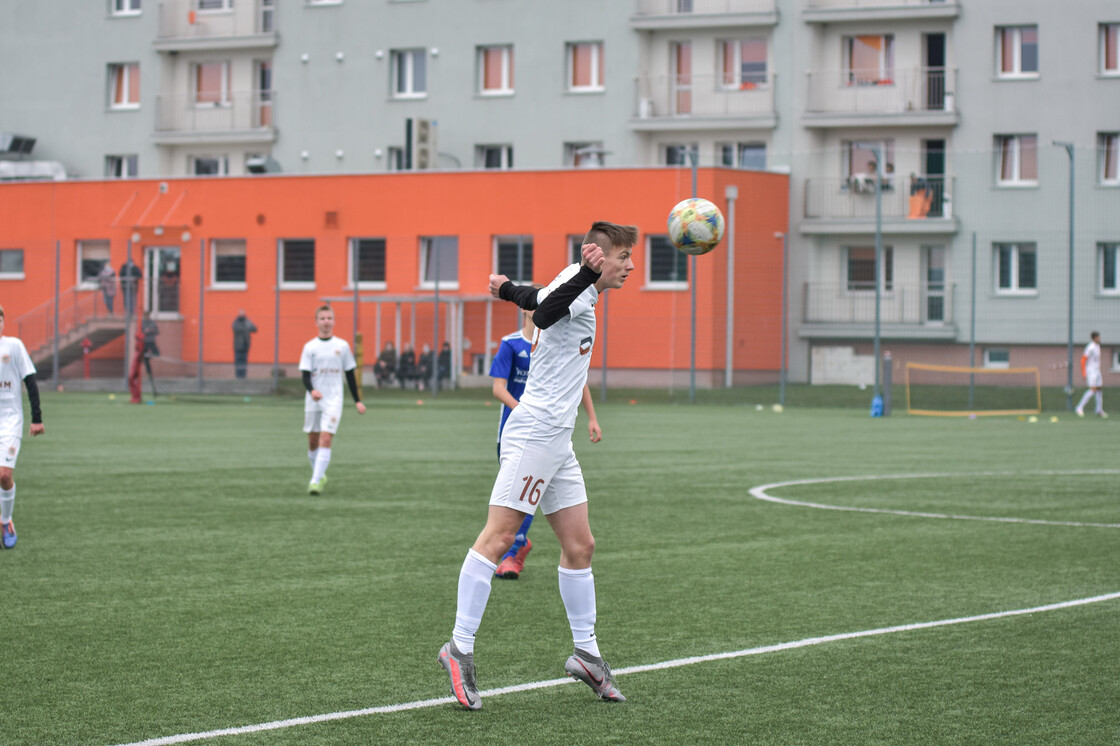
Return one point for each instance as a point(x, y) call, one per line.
point(555, 306)
point(525, 296)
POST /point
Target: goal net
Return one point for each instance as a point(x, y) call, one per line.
point(960, 391)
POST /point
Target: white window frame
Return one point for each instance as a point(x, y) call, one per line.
point(118, 166)
point(1108, 158)
point(123, 71)
point(659, 284)
point(575, 247)
point(686, 147)
point(736, 47)
point(224, 6)
point(598, 76)
point(223, 165)
point(286, 284)
point(224, 93)
point(884, 274)
point(314, 3)
point(1107, 30)
point(15, 275)
point(506, 63)
point(505, 156)
point(407, 59)
point(1017, 249)
point(125, 7)
point(352, 270)
point(426, 284)
point(99, 243)
point(222, 247)
point(1016, 72)
point(998, 364)
point(1104, 249)
point(886, 70)
point(528, 248)
point(736, 151)
point(1015, 152)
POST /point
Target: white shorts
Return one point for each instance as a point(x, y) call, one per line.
point(538, 467)
point(1093, 379)
point(9, 450)
point(322, 417)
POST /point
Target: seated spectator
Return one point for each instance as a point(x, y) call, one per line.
point(406, 366)
point(425, 364)
point(445, 361)
point(386, 365)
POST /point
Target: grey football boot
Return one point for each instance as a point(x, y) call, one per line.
point(595, 673)
point(460, 667)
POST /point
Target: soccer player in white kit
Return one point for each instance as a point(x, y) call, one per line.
point(538, 465)
point(15, 366)
point(1091, 370)
point(323, 362)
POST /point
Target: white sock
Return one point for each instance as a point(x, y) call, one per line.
point(322, 461)
point(577, 589)
point(474, 592)
point(1100, 401)
point(311, 457)
point(7, 500)
point(1084, 400)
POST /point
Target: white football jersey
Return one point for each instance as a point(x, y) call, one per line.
point(15, 365)
point(1092, 358)
point(327, 360)
point(561, 357)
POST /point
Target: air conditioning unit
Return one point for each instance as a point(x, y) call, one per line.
point(422, 148)
point(16, 144)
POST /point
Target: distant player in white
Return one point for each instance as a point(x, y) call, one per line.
point(1091, 370)
point(323, 362)
point(538, 465)
point(15, 367)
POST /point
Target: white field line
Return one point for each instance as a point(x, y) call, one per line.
point(762, 492)
point(423, 703)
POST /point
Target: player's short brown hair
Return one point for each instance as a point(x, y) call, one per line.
point(1, 312)
point(324, 307)
point(611, 235)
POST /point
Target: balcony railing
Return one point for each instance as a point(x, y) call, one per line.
point(819, 4)
point(181, 19)
point(238, 112)
point(913, 197)
point(704, 96)
point(900, 303)
point(703, 7)
point(866, 92)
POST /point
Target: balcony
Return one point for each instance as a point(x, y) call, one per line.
point(907, 311)
point(839, 11)
point(915, 205)
point(241, 118)
point(664, 102)
point(245, 25)
point(846, 98)
point(681, 14)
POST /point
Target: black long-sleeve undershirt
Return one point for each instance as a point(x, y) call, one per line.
point(33, 397)
point(351, 383)
point(556, 305)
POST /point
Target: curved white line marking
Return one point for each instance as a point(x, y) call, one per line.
point(423, 703)
point(762, 493)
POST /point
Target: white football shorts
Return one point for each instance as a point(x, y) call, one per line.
point(322, 416)
point(538, 467)
point(9, 450)
point(1094, 379)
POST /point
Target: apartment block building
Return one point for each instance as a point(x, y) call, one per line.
point(931, 124)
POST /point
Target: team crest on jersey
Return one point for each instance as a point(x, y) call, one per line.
point(12, 451)
point(585, 345)
point(338, 353)
point(6, 359)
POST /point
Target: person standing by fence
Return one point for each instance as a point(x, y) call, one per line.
point(243, 331)
point(107, 278)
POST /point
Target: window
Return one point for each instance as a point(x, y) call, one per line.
point(1017, 52)
point(124, 86)
point(439, 260)
point(495, 70)
point(122, 166)
point(92, 256)
point(1017, 159)
point(298, 267)
point(997, 358)
point(227, 263)
point(126, 7)
point(584, 154)
point(268, 16)
point(11, 264)
point(394, 159)
point(1016, 268)
point(677, 154)
point(1109, 265)
point(205, 5)
point(264, 93)
point(585, 67)
point(514, 257)
point(369, 256)
point(410, 73)
point(1116, 359)
point(1108, 156)
point(493, 156)
point(861, 164)
point(869, 60)
point(861, 269)
point(744, 64)
point(666, 267)
point(575, 248)
point(208, 165)
point(211, 84)
point(749, 155)
point(1110, 49)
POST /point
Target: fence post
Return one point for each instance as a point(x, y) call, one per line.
point(887, 379)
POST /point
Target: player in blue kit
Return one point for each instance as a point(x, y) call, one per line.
point(510, 371)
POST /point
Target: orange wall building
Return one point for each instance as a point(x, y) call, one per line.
point(177, 231)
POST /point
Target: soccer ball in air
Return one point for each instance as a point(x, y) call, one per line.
point(695, 226)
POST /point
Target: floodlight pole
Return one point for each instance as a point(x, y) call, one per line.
point(785, 318)
point(693, 156)
point(731, 193)
point(877, 150)
point(1069, 349)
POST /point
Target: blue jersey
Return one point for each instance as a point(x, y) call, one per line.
point(511, 363)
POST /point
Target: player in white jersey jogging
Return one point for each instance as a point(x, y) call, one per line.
point(538, 465)
point(15, 367)
point(323, 363)
point(1091, 370)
